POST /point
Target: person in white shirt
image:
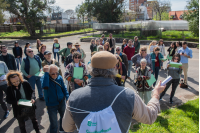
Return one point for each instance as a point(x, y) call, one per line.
point(152, 45)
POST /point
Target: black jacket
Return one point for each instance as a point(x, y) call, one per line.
point(15, 52)
point(123, 47)
point(10, 61)
point(69, 59)
point(11, 98)
point(173, 52)
point(41, 56)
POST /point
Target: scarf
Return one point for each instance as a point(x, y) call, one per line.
point(17, 92)
point(119, 67)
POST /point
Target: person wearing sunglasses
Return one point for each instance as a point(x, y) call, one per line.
point(75, 83)
point(156, 57)
point(142, 54)
point(56, 95)
point(100, 48)
point(175, 74)
point(17, 89)
point(122, 56)
point(31, 65)
point(81, 51)
point(9, 59)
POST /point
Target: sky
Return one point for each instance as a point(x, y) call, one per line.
point(176, 5)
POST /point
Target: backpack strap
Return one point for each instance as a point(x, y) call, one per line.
point(117, 96)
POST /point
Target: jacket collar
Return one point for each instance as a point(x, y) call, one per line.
point(101, 81)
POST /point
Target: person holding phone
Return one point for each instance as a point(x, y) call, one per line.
point(185, 53)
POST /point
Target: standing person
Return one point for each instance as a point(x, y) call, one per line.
point(152, 45)
point(18, 88)
point(129, 51)
point(162, 49)
point(136, 45)
point(185, 53)
point(143, 74)
point(56, 48)
point(80, 50)
point(121, 70)
point(172, 49)
point(99, 48)
point(112, 42)
point(3, 88)
point(42, 49)
point(31, 65)
point(136, 59)
point(175, 74)
point(122, 56)
point(8, 58)
point(48, 61)
point(69, 58)
point(178, 46)
point(97, 42)
point(106, 47)
point(103, 36)
point(102, 94)
point(65, 52)
point(38, 44)
point(88, 65)
point(27, 45)
point(55, 94)
point(101, 41)
point(69, 74)
point(93, 46)
point(0, 48)
point(156, 57)
point(124, 44)
point(17, 52)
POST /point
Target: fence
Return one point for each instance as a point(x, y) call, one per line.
point(11, 28)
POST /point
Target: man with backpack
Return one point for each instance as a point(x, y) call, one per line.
point(55, 94)
point(102, 106)
point(65, 52)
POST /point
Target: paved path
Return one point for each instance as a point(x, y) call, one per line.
point(10, 125)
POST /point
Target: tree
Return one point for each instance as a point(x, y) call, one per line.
point(81, 11)
point(192, 16)
point(30, 11)
point(164, 16)
point(160, 7)
point(71, 14)
point(3, 6)
point(106, 11)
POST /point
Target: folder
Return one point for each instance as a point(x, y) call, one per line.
point(151, 80)
point(78, 73)
point(169, 57)
point(174, 64)
point(163, 59)
point(25, 102)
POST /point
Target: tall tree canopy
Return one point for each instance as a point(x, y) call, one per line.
point(106, 11)
point(192, 16)
point(3, 6)
point(30, 11)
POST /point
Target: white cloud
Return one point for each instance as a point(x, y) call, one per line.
point(68, 4)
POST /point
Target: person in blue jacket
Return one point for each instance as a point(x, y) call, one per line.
point(156, 57)
point(55, 94)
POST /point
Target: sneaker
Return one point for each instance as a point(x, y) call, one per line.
point(6, 114)
point(42, 98)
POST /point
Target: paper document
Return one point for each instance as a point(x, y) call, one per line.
point(169, 57)
point(39, 74)
point(163, 59)
point(166, 80)
point(151, 80)
point(57, 45)
point(174, 64)
point(25, 102)
point(78, 73)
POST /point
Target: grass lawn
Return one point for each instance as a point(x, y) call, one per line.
point(166, 35)
point(183, 119)
point(22, 33)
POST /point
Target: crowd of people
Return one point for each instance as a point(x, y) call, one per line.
point(89, 88)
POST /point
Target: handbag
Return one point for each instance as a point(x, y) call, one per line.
point(27, 111)
point(182, 85)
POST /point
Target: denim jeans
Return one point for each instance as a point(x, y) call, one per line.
point(155, 73)
point(18, 61)
point(52, 111)
point(36, 80)
point(130, 63)
point(55, 55)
